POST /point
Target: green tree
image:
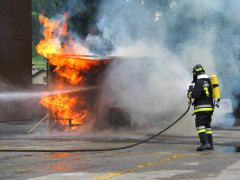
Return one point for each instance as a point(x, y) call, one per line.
point(49, 8)
point(34, 50)
point(83, 16)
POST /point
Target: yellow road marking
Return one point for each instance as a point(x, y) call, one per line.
point(55, 164)
point(22, 170)
point(24, 148)
point(210, 155)
point(168, 153)
point(137, 167)
point(123, 152)
point(8, 147)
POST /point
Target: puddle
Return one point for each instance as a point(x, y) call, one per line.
point(228, 148)
point(65, 162)
point(57, 155)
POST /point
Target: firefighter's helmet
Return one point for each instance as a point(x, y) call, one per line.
point(197, 70)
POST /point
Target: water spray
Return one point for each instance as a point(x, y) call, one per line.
point(6, 96)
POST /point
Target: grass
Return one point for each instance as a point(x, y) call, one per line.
point(39, 61)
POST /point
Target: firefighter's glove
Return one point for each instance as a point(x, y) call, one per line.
point(216, 102)
point(189, 94)
point(189, 101)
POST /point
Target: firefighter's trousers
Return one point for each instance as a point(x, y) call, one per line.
point(203, 125)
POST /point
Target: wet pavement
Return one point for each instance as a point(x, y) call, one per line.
point(164, 157)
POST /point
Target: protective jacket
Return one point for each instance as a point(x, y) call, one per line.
point(202, 94)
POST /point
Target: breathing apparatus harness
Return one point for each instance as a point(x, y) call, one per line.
point(200, 70)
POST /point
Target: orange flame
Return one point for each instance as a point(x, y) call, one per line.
point(58, 47)
point(61, 106)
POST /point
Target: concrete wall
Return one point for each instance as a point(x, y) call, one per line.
point(15, 56)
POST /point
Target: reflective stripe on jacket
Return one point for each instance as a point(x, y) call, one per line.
point(202, 94)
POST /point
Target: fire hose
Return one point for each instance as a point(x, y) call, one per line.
point(103, 149)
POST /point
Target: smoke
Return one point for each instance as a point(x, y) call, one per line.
point(16, 102)
point(156, 44)
point(172, 37)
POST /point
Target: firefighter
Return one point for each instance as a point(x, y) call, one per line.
point(203, 106)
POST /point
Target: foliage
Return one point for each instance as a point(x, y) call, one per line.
point(34, 50)
point(83, 16)
point(83, 13)
point(40, 62)
point(49, 8)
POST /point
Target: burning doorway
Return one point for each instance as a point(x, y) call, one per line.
point(73, 104)
point(74, 80)
point(68, 75)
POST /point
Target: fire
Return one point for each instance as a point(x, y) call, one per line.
point(70, 68)
point(58, 47)
point(61, 106)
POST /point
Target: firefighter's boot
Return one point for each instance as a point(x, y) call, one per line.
point(204, 142)
point(210, 140)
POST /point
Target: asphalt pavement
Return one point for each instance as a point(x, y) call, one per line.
point(164, 157)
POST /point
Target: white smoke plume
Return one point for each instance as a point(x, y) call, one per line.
point(156, 44)
point(171, 37)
